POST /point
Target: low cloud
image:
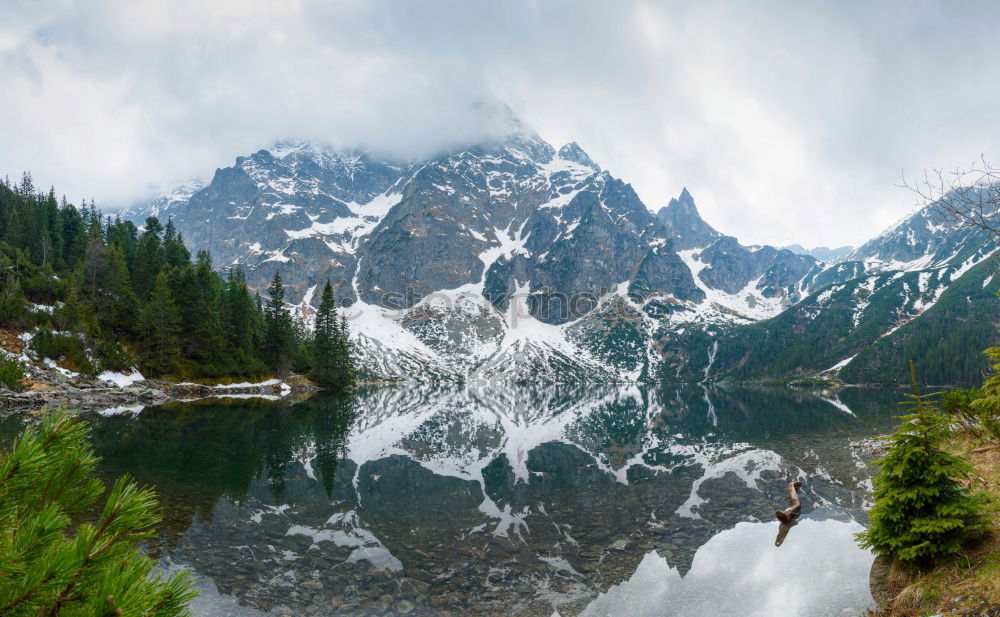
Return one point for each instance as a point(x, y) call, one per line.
point(789, 122)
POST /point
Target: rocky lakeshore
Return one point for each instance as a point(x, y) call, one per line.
point(47, 386)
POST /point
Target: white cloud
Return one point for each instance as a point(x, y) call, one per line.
point(788, 121)
point(740, 572)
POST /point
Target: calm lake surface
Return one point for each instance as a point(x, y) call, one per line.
point(563, 500)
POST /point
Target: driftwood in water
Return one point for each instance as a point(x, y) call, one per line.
point(783, 530)
point(794, 505)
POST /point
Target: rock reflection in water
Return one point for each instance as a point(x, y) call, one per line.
point(428, 500)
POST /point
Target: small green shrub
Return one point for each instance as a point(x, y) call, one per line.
point(959, 402)
point(72, 349)
point(973, 410)
point(959, 405)
point(69, 315)
point(110, 356)
point(988, 405)
point(11, 373)
point(922, 513)
point(13, 309)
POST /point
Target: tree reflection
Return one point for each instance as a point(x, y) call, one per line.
point(195, 453)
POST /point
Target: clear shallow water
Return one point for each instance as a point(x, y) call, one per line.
point(568, 500)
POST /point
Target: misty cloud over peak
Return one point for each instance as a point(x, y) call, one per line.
point(790, 121)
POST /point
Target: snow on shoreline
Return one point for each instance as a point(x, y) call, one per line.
point(122, 380)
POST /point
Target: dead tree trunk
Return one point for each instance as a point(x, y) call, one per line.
point(783, 530)
point(794, 505)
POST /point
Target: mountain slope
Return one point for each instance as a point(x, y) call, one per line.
point(866, 329)
point(946, 342)
point(513, 260)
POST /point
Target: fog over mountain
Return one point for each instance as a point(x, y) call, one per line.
point(797, 142)
point(822, 253)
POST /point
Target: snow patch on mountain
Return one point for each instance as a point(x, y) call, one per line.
point(746, 306)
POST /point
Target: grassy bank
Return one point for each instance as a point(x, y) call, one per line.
point(969, 585)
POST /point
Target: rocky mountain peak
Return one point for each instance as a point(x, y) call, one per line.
point(573, 152)
point(165, 205)
point(684, 225)
point(288, 147)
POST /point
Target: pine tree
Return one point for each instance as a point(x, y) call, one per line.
point(19, 230)
point(98, 271)
point(325, 371)
point(158, 330)
point(348, 368)
point(93, 265)
point(334, 367)
point(149, 259)
point(50, 566)
point(238, 315)
point(174, 251)
point(302, 355)
point(48, 240)
point(922, 512)
point(258, 341)
point(276, 345)
point(27, 186)
point(73, 236)
point(197, 289)
point(125, 235)
point(116, 305)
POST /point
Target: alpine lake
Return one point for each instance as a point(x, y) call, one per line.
point(483, 500)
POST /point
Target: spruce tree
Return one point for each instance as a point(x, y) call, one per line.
point(125, 235)
point(174, 251)
point(922, 511)
point(98, 271)
point(197, 289)
point(348, 370)
point(116, 304)
point(334, 367)
point(276, 345)
point(18, 232)
point(258, 341)
point(48, 240)
point(325, 370)
point(149, 258)
point(93, 265)
point(158, 330)
point(52, 566)
point(73, 236)
point(238, 315)
point(27, 186)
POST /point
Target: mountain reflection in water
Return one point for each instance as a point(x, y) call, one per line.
point(570, 500)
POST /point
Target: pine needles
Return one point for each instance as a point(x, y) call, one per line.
point(48, 568)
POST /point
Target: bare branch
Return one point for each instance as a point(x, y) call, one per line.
point(968, 197)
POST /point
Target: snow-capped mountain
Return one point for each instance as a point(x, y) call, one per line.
point(516, 260)
point(922, 240)
point(921, 290)
point(168, 204)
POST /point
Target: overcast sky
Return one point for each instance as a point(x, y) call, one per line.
point(787, 121)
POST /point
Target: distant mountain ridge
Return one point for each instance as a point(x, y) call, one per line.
point(514, 260)
point(822, 253)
